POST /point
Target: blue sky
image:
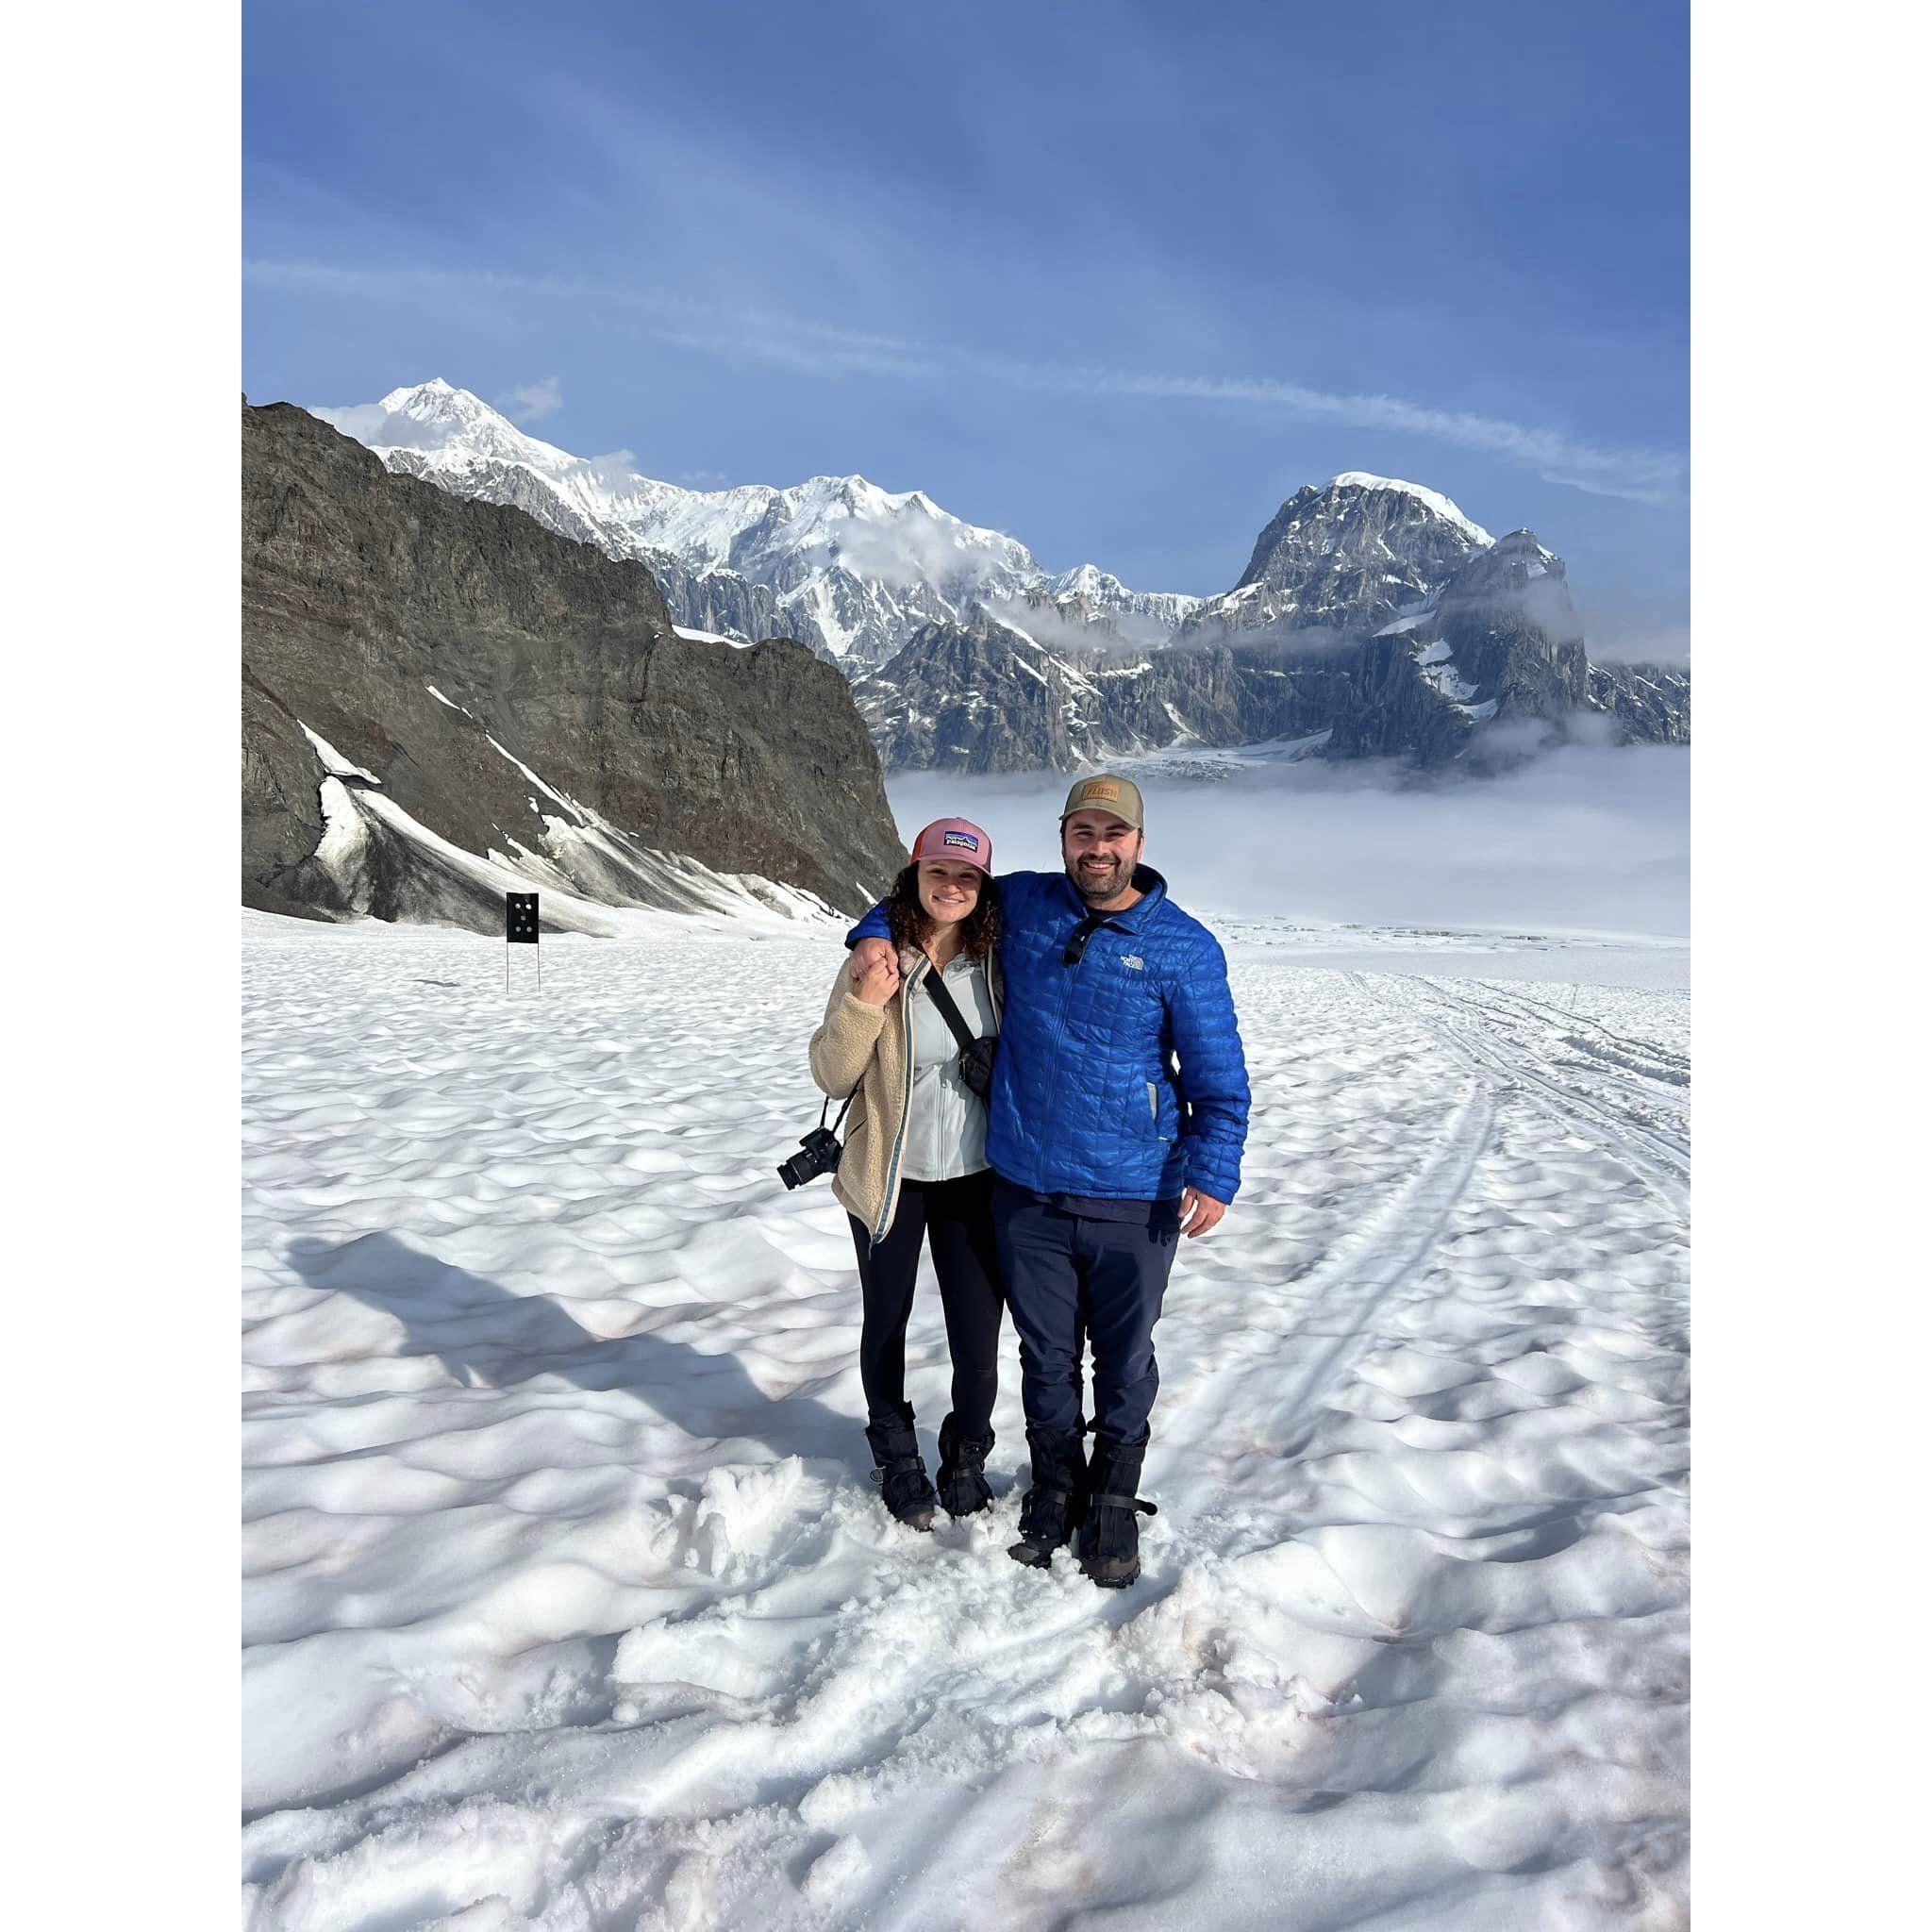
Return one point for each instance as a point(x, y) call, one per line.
point(1115, 279)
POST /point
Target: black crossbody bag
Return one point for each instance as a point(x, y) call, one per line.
point(976, 1053)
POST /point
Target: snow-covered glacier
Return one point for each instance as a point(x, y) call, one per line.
point(568, 1601)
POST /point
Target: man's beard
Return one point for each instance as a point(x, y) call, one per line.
point(1097, 888)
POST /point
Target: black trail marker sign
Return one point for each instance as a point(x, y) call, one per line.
point(520, 929)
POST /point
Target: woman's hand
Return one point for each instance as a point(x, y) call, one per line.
point(875, 978)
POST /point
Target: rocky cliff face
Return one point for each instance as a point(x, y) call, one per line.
point(442, 700)
point(1649, 703)
point(986, 696)
point(1345, 557)
point(1499, 640)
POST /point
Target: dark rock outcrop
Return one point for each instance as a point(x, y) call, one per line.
point(489, 689)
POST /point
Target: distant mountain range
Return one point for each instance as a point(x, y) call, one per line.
point(846, 568)
point(1374, 618)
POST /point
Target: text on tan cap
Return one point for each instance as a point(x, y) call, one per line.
point(1109, 792)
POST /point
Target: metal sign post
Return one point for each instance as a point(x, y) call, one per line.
point(520, 928)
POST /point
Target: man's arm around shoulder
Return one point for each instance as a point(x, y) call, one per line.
point(871, 937)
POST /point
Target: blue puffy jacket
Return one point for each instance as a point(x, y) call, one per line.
point(1083, 1101)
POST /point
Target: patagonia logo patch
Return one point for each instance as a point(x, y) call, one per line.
point(964, 840)
point(1133, 962)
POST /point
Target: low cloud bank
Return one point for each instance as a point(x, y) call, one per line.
point(1665, 644)
point(1133, 634)
point(1579, 839)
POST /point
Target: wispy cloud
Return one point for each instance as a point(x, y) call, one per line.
point(533, 401)
point(1642, 476)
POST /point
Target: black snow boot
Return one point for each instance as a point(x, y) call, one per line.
point(963, 1489)
point(900, 1472)
point(1050, 1511)
point(1109, 1541)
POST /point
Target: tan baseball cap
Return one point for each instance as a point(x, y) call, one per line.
point(1107, 791)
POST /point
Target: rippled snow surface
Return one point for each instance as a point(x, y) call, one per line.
point(567, 1604)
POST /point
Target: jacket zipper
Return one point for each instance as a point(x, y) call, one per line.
point(1060, 1023)
point(878, 1234)
point(906, 1109)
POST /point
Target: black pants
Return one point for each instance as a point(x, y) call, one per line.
point(956, 1218)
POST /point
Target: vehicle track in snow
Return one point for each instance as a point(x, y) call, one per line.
point(1612, 1060)
point(1341, 1301)
point(1477, 1029)
point(1648, 1058)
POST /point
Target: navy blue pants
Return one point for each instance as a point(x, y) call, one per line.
point(1074, 1281)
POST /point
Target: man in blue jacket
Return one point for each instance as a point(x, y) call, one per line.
point(1119, 1111)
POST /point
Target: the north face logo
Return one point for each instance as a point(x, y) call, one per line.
point(964, 840)
point(1133, 962)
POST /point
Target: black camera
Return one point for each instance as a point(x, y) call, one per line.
point(820, 1155)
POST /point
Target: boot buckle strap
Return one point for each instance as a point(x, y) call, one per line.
point(1120, 1502)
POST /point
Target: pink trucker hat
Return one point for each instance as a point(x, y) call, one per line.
point(958, 840)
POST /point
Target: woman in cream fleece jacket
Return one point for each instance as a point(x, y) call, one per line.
point(914, 1170)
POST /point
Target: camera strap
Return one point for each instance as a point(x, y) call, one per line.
point(827, 1106)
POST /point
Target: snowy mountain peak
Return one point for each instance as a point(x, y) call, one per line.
point(437, 401)
point(1346, 556)
point(1430, 499)
point(1085, 580)
point(435, 390)
point(446, 428)
point(1526, 540)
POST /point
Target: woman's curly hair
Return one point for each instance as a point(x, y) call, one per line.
point(911, 924)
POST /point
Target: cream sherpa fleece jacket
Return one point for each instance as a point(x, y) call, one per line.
point(873, 1046)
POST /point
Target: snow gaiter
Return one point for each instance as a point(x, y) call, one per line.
point(962, 1484)
point(900, 1472)
point(1109, 1541)
point(1051, 1506)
